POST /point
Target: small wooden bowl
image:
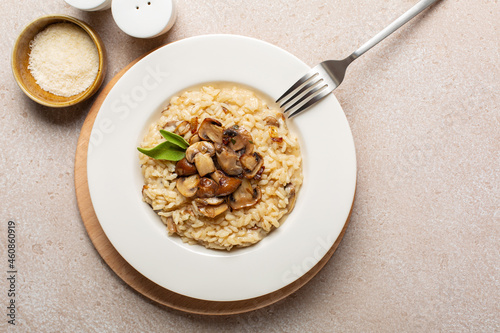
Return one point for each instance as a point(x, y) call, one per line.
point(20, 60)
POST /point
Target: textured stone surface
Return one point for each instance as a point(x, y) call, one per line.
point(422, 251)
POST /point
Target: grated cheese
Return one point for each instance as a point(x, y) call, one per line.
point(63, 59)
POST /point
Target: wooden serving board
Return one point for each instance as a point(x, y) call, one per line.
point(131, 276)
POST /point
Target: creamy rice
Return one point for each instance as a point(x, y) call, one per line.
point(279, 183)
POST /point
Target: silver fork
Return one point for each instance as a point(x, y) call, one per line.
point(328, 75)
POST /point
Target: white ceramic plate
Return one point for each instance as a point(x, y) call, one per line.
point(115, 179)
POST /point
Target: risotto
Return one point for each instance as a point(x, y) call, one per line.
point(240, 175)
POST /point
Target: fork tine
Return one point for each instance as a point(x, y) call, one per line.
point(310, 94)
point(312, 101)
point(314, 81)
point(299, 83)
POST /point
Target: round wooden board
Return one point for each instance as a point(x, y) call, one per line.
point(131, 276)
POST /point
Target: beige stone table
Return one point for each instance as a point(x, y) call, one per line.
point(422, 252)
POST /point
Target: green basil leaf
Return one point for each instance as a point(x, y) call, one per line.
point(175, 139)
point(165, 151)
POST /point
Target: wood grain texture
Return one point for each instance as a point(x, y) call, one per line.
point(131, 276)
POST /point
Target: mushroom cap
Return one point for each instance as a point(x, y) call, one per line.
point(239, 138)
point(211, 130)
point(207, 188)
point(212, 201)
point(203, 147)
point(184, 168)
point(213, 211)
point(229, 161)
point(245, 195)
point(227, 185)
point(188, 186)
point(251, 164)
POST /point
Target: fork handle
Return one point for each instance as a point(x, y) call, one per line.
point(398, 23)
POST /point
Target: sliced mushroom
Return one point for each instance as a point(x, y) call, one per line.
point(170, 125)
point(171, 227)
point(204, 164)
point(290, 190)
point(238, 138)
point(272, 121)
point(184, 168)
point(213, 201)
point(194, 124)
point(217, 176)
point(251, 164)
point(274, 135)
point(188, 186)
point(195, 138)
point(211, 130)
point(258, 175)
point(244, 196)
point(203, 147)
point(207, 188)
point(229, 161)
point(213, 211)
point(227, 185)
point(182, 128)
